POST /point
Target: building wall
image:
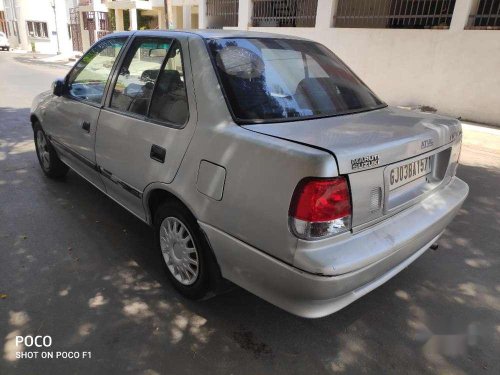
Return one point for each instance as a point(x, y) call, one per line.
point(457, 73)
point(41, 11)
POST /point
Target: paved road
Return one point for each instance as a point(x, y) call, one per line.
point(79, 268)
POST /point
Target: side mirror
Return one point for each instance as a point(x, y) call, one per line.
point(58, 87)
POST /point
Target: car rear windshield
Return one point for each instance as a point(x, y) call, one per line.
point(268, 79)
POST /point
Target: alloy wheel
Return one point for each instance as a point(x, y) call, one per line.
point(43, 149)
point(179, 251)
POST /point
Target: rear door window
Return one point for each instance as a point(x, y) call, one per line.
point(138, 75)
point(169, 103)
point(151, 82)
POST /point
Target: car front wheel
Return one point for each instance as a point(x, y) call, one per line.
point(51, 165)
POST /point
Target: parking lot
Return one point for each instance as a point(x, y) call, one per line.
point(76, 266)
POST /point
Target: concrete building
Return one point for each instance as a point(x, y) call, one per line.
point(36, 24)
point(440, 53)
point(91, 19)
point(184, 14)
point(80, 23)
point(151, 14)
point(88, 21)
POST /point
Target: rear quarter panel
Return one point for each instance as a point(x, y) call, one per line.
point(261, 175)
point(261, 171)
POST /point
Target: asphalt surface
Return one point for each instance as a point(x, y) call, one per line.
point(76, 266)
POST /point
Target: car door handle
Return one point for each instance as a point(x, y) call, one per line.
point(158, 153)
point(86, 126)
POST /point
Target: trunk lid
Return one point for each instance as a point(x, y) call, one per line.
point(370, 139)
point(369, 145)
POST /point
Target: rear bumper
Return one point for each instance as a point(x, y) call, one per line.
point(396, 243)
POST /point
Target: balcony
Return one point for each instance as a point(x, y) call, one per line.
point(92, 5)
point(131, 4)
point(90, 2)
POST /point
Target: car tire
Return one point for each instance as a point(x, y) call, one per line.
point(51, 165)
point(178, 252)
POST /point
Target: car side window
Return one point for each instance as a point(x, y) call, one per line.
point(169, 103)
point(138, 74)
point(87, 80)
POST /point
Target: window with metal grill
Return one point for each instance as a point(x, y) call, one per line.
point(3, 24)
point(38, 29)
point(394, 14)
point(486, 16)
point(284, 13)
point(222, 13)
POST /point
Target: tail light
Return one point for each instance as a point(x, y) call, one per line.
point(321, 207)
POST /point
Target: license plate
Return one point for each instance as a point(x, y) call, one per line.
point(405, 173)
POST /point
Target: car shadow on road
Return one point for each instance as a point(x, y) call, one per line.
point(77, 266)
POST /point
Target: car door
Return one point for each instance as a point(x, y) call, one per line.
point(71, 121)
point(146, 125)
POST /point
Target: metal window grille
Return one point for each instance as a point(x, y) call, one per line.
point(395, 14)
point(37, 29)
point(95, 20)
point(487, 16)
point(76, 32)
point(225, 12)
point(3, 24)
point(284, 13)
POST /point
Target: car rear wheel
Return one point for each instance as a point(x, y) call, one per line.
point(51, 165)
point(187, 257)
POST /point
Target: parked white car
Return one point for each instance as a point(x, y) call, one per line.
point(4, 42)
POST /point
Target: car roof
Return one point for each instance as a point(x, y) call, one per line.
point(209, 33)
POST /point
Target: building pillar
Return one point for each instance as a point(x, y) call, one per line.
point(325, 12)
point(202, 15)
point(119, 24)
point(245, 12)
point(162, 21)
point(133, 19)
point(172, 16)
point(186, 16)
point(461, 13)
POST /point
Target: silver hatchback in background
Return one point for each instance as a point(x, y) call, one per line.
point(257, 158)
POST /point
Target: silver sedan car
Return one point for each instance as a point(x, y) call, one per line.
point(260, 159)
